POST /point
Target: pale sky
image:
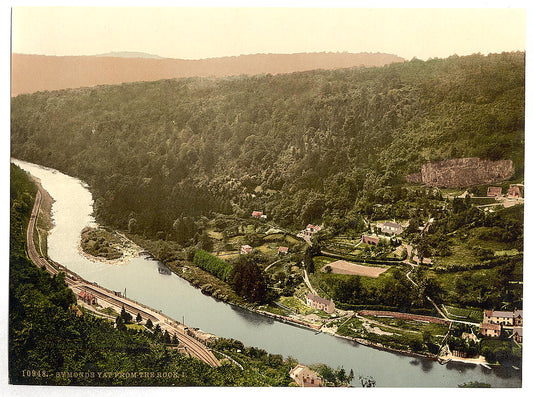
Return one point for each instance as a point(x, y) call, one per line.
point(193, 33)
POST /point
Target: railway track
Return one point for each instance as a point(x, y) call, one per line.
point(74, 281)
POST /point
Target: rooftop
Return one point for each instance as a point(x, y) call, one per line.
point(319, 299)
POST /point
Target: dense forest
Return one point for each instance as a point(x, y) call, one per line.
point(53, 343)
point(301, 147)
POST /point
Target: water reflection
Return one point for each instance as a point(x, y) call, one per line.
point(251, 317)
point(163, 269)
point(427, 365)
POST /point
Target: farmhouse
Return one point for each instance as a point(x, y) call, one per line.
point(499, 317)
point(246, 249)
point(316, 302)
point(283, 250)
point(304, 377)
point(491, 330)
point(514, 191)
point(373, 240)
point(494, 191)
point(87, 297)
point(391, 228)
point(311, 229)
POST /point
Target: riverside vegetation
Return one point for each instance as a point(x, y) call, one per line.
point(53, 343)
point(181, 164)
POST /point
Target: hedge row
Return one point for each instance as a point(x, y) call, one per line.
point(210, 263)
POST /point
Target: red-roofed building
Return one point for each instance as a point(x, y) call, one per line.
point(87, 297)
point(311, 229)
point(283, 250)
point(491, 330)
point(370, 239)
point(257, 214)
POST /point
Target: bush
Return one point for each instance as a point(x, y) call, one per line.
point(210, 263)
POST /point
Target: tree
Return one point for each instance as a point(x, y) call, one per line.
point(126, 317)
point(309, 263)
point(120, 323)
point(149, 324)
point(175, 339)
point(139, 318)
point(248, 281)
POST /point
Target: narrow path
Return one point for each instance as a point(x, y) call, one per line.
point(272, 264)
point(308, 283)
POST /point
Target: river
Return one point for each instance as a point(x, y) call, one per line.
point(72, 211)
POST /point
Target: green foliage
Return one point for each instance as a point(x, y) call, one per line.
point(391, 289)
point(213, 265)
point(247, 279)
point(50, 344)
point(173, 149)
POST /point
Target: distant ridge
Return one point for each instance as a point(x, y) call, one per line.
point(129, 54)
point(31, 73)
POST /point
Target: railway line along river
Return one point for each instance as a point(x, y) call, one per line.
point(72, 211)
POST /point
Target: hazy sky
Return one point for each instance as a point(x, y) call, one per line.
point(193, 33)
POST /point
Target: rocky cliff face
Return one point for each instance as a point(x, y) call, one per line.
point(463, 172)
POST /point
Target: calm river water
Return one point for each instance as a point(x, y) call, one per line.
point(177, 298)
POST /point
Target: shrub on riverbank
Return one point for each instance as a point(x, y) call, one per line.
point(212, 264)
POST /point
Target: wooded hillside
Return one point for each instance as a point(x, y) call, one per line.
point(299, 147)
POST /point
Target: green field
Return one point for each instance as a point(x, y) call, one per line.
point(468, 314)
point(436, 330)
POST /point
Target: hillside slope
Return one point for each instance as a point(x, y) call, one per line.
point(317, 144)
point(31, 73)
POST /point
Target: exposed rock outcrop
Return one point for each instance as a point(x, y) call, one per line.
point(463, 172)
